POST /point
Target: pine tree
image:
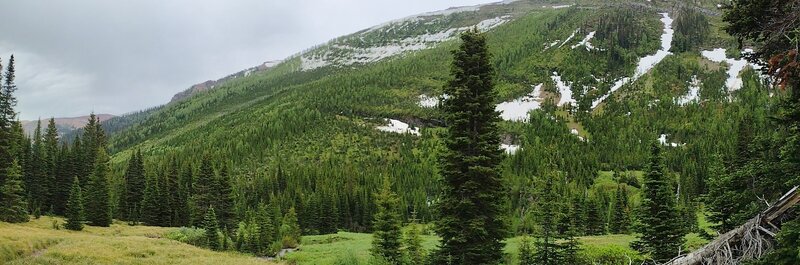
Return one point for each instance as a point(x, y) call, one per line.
point(621, 218)
point(547, 249)
point(386, 238)
point(412, 243)
point(135, 182)
point(471, 217)
point(203, 191)
point(662, 234)
point(290, 230)
point(51, 157)
point(7, 118)
point(152, 204)
point(526, 255)
point(74, 210)
point(212, 229)
point(265, 230)
point(13, 207)
point(98, 212)
point(224, 196)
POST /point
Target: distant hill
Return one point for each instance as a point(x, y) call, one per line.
point(211, 84)
point(64, 125)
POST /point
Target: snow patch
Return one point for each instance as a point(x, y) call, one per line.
point(734, 82)
point(517, 110)
point(396, 126)
point(693, 95)
point(357, 55)
point(563, 89)
point(648, 62)
point(510, 148)
point(561, 6)
point(569, 38)
point(585, 42)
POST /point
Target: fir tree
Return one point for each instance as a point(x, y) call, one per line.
point(412, 243)
point(51, 158)
point(203, 190)
point(135, 182)
point(290, 230)
point(661, 232)
point(386, 238)
point(7, 118)
point(621, 218)
point(37, 175)
point(98, 206)
point(224, 196)
point(471, 217)
point(13, 207)
point(265, 230)
point(547, 249)
point(152, 204)
point(174, 193)
point(526, 255)
point(74, 209)
point(212, 229)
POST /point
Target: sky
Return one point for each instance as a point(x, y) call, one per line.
point(81, 56)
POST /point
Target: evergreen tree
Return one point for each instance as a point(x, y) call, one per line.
point(74, 209)
point(290, 230)
point(265, 230)
point(413, 251)
point(203, 190)
point(661, 232)
point(224, 198)
point(621, 219)
point(152, 204)
point(13, 207)
point(526, 255)
point(98, 206)
point(51, 158)
point(7, 118)
point(386, 238)
point(134, 186)
point(174, 194)
point(547, 249)
point(37, 175)
point(212, 229)
point(471, 217)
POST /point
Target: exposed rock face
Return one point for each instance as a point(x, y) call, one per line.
point(211, 84)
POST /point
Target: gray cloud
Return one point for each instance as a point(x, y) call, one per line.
point(74, 57)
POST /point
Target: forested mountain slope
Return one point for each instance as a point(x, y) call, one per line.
point(320, 130)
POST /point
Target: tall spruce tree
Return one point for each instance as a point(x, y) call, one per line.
point(98, 212)
point(134, 186)
point(74, 212)
point(265, 230)
point(7, 118)
point(387, 235)
point(37, 175)
point(13, 206)
point(471, 220)
point(212, 229)
point(224, 199)
point(51, 152)
point(412, 245)
point(621, 217)
point(662, 232)
point(203, 191)
point(152, 204)
point(290, 229)
point(547, 249)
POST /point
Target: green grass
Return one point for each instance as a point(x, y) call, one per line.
point(37, 242)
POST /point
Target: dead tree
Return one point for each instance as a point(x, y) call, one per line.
point(749, 241)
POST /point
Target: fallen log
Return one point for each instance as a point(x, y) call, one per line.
point(749, 241)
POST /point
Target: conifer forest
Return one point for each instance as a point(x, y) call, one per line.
point(518, 132)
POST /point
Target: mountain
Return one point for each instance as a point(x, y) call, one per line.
point(64, 125)
point(210, 84)
point(584, 88)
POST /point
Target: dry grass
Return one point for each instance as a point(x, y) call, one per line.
point(37, 242)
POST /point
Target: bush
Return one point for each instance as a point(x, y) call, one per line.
point(191, 236)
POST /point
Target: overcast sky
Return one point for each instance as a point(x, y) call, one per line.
point(74, 57)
